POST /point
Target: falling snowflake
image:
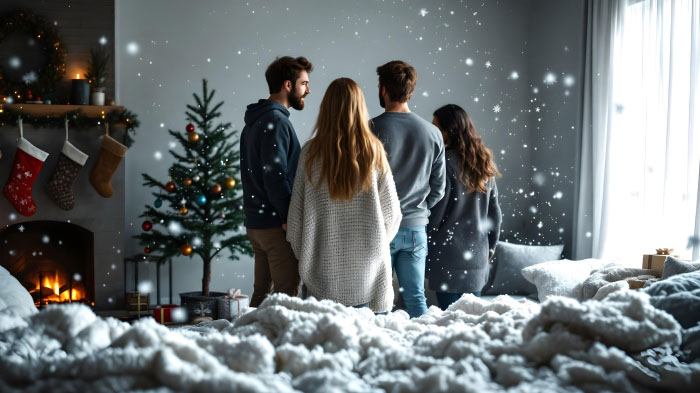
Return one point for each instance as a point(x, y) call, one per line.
point(15, 62)
point(540, 225)
point(30, 77)
point(21, 228)
point(132, 48)
point(426, 94)
point(514, 75)
point(469, 61)
point(145, 287)
point(423, 12)
point(569, 80)
point(487, 64)
point(550, 78)
point(496, 108)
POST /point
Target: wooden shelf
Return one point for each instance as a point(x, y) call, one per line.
point(60, 110)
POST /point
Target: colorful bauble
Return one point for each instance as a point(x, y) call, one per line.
point(190, 127)
point(216, 188)
point(147, 250)
point(187, 182)
point(195, 178)
point(202, 200)
point(193, 137)
point(230, 183)
point(183, 210)
point(169, 186)
point(147, 225)
point(158, 203)
point(186, 249)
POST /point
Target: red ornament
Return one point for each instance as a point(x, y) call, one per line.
point(190, 127)
point(147, 225)
point(147, 250)
point(216, 188)
point(169, 186)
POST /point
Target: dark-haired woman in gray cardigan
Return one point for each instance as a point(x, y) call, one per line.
point(464, 226)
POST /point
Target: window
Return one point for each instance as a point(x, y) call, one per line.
point(655, 131)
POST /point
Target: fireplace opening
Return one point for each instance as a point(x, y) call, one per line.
point(53, 260)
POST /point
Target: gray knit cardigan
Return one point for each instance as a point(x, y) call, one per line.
point(343, 247)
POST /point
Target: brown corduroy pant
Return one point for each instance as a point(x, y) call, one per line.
point(276, 267)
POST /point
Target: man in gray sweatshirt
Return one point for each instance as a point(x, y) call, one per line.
point(416, 154)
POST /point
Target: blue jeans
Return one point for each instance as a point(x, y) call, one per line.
point(408, 251)
point(446, 298)
point(366, 305)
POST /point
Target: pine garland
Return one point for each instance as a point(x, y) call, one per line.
point(215, 225)
point(76, 119)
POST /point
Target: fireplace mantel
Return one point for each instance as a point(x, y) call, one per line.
point(95, 111)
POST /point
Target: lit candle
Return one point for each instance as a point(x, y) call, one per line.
point(80, 92)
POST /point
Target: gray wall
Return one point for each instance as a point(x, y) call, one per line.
point(230, 43)
point(556, 46)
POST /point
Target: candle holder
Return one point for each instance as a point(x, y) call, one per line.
point(80, 91)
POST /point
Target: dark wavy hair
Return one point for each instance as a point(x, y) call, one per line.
point(477, 166)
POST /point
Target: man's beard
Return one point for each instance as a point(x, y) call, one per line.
point(381, 100)
point(295, 101)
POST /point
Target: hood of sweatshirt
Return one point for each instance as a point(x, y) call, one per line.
point(256, 110)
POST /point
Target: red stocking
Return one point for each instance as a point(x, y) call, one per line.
point(28, 162)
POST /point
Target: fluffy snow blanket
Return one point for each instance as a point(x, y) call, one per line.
point(290, 345)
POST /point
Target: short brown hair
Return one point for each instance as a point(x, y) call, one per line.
point(285, 68)
point(399, 79)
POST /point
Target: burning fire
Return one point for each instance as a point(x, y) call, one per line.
point(54, 289)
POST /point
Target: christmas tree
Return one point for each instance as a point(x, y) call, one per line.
point(204, 204)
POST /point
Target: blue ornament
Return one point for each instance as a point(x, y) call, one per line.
point(158, 203)
point(201, 200)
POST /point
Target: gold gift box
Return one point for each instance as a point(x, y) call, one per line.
point(655, 261)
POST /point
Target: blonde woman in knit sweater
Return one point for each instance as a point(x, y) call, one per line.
point(344, 209)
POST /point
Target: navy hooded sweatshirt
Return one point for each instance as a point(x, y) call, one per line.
point(269, 156)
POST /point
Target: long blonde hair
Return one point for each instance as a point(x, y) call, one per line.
point(342, 140)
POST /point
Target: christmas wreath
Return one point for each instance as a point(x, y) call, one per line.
point(44, 80)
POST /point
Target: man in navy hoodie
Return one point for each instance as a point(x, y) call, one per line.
point(269, 155)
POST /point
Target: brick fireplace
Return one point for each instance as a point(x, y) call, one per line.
point(89, 259)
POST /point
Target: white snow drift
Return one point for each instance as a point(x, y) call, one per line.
point(621, 343)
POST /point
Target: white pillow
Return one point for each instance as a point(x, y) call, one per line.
point(13, 296)
point(560, 278)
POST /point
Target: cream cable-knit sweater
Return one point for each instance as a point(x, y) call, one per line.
point(343, 247)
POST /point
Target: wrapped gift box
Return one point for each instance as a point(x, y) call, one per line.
point(136, 301)
point(162, 313)
point(654, 261)
point(232, 305)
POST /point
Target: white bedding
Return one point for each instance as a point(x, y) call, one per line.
point(621, 343)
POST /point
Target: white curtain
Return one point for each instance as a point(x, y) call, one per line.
point(640, 150)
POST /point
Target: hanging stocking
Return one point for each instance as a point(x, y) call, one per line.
point(28, 162)
point(111, 154)
point(60, 187)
